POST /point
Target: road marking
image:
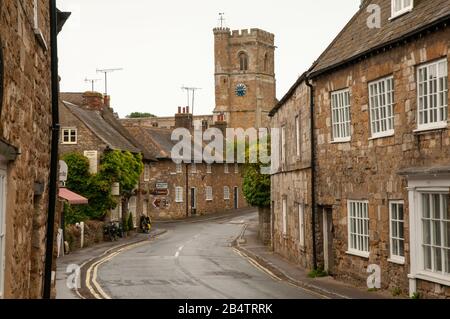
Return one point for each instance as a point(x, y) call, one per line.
point(177, 254)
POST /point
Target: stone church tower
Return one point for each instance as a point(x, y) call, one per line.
point(244, 76)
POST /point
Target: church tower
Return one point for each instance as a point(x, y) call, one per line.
point(244, 76)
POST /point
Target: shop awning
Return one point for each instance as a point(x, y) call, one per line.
point(71, 197)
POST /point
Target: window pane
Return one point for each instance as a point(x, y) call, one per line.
point(425, 206)
point(446, 231)
point(436, 233)
point(436, 198)
point(437, 259)
point(401, 248)
point(447, 260)
point(426, 232)
point(427, 257)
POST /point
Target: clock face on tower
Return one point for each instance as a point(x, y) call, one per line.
point(241, 89)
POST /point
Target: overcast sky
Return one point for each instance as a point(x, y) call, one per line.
point(163, 45)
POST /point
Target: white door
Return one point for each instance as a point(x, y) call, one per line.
point(2, 227)
point(132, 205)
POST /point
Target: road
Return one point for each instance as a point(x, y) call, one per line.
point(193, 261)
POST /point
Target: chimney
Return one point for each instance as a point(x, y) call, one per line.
point(107, 101)
point(184, 119)
point(93, 101)
point(221, 124)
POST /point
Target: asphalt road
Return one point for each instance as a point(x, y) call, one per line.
point(193, 261)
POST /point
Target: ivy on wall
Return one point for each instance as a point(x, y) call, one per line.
point(124, 168)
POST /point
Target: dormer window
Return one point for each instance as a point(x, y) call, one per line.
point(400, 7)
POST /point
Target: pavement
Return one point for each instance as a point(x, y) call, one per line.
point(249, 245)
point(84, 256)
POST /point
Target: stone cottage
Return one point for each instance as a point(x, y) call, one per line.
point(25, 145)
point(90, 127)
point(177, 191)
point(382, 148)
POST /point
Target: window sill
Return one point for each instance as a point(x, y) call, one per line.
point(400, 13)
point(69, 143)
point(382, 135)
point(339, 141)
point(439, 279)
point(398, 261)
point(427, 129)
point(358, 254)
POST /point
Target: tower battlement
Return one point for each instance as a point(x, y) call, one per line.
point(246, 33)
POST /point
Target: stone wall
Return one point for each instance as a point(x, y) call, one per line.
point(25, 124)
point(165, 171)
point(93, 234)
point(293, 180)
point(366, 168)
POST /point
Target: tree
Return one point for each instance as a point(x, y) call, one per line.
point(138, 115)
point(130, 222)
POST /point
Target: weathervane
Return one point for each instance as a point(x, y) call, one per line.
point(222, 19)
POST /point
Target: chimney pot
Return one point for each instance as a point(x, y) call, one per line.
point(187, 109)
point(179, 110)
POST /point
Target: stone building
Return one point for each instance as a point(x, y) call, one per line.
point(90, 127)
point(177, 191)
point(25, 145)
point(382, 148)
point(291, 181)
point(168, 122)
point(244, 76)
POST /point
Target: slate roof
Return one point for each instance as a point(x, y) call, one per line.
point(357, 39)
point(102, 128)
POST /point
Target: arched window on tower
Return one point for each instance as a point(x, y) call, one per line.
point(266, 63)
point(243, 60)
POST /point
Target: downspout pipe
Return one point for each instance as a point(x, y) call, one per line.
point(313, 171)
point(54, 152)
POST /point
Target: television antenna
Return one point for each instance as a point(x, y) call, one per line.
point(106, 72)
point(188, 91)
point(92, 81)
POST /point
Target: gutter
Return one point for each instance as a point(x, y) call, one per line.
point(313, 170)
point(54, 152)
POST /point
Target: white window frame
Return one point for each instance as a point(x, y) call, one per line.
point(226, 169)
point(405, 8)
point(284, 209)
point(209, 193)
point(69, 131)
point(301, 224)
point(179, 194)
point(36, 27)
point(341, 126)
point(283, 145)
point(146, 173)
point(3, 197)
point(226, 193)
point(208, 169)
point(92, 156)
point(381, 105)
point(297, 136)
point(396, 258)
point(441, 93)
point(361, 245)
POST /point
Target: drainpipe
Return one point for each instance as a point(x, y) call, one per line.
point(187, 190)
point(313, 169)
point(54, 152)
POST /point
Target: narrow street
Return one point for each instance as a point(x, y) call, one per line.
point(193, 261)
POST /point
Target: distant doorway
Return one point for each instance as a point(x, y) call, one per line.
point(236, 197)
point(193, 201)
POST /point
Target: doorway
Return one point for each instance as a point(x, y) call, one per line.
point(327, 221)
point(236, 197)
point(193, 201)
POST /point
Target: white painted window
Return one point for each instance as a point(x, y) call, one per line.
point(301, 224)
point(432, 95)
point(179, 194)
point(283, 144)
point(340, 115)
point(284, 216)
point(209, 169)
point(358, 228)
point(69, 136)
point(179, 168)
point(146, 173)
point(3, 185)
point(92, 156)
point(297, 135)
point(236, 168)
point(209, 193)
point(400, 7)
point(396, 231)
point(226, 193)
point(226, 169)
point(436, 233)
point(381, 102)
